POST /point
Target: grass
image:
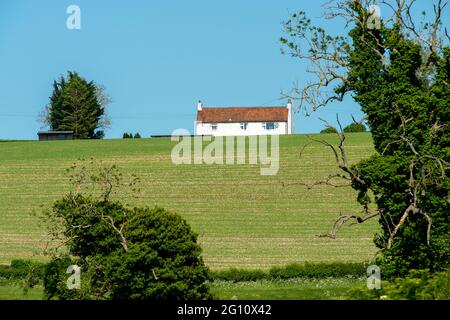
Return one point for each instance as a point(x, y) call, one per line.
point(293, 289)
point(244, 220)
point(13, 290)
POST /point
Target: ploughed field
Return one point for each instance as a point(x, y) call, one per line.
point(243, 219)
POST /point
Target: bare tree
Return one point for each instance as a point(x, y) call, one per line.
point(328, 56)
point(104, 99)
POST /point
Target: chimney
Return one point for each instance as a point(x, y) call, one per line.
point(290, 128)
point(199, 105)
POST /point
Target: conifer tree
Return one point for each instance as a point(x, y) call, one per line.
point(75, 106)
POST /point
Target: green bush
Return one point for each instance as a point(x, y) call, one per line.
point(55, 280)
point(355, 127)
point(21, 269)
point(318, 270)
point(20, 264)
point(306, 270)
point(157, 258)
point(163, 260)
point(328, 130)
point(418, 285)
point(239, 275)
point(127, 135)
point(6, 272)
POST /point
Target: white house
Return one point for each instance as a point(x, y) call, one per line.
point(240, 121)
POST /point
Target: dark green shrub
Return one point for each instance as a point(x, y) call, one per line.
point(318, 270)
point(6, 272)
point(239, 275)
point(99, 134)
point(21, 269)
point(306, 270)
point(137, 136)
point(163, 260)
point(154, 256)
point(328, 130)
point(19, 263)
point(355, 127)
point(55, 280)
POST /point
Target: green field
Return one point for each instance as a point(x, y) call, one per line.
point(243, 219)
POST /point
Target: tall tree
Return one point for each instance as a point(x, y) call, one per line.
point(400, 76)
point(77, 105)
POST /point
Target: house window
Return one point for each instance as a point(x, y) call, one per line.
point(270, 125)
point(244, 125)
point(213, 126)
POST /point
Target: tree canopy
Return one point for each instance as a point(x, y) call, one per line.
point(77, 105)
point(400, 76)
point(355, 127)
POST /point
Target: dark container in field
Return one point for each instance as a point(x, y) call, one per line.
point(55, 135)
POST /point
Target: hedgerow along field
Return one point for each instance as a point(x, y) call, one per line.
point(243, 219)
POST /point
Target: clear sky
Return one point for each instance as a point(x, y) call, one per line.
point(155, 58)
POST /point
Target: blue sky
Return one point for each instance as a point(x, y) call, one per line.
point(155, 58)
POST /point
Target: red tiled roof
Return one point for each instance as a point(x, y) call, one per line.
point(243, 114)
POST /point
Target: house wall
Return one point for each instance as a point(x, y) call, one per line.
point(234, 129)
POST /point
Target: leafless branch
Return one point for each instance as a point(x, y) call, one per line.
point(118, 230)
point(343, 219)
point(411, 209)
point(430, 33)
point(327, 181)
point(154, 275)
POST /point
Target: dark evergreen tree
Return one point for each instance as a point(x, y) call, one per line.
point(55, 115)
point(74, 106)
